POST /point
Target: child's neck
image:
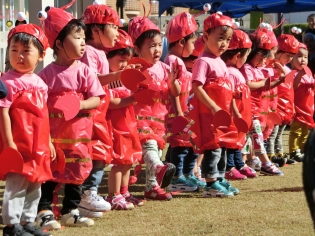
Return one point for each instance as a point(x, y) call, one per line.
point(230, 63)
point(95, 44)
point(65, 61)
point(176, 51)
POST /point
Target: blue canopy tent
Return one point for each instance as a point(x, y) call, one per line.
point(234, 8)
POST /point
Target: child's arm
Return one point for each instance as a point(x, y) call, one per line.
point(174, 86)
point(297, 79)
point(116, 103)
point(5, 127)
point(253, 85)
point(90, 103)
point(108, 78)
point(235, 110)
point(203, 97)
point(52, 150)
point(176, 105)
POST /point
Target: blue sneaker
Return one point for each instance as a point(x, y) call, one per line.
point(182, 184)
point(228, 186)
point(217, 190)
point(193, 179)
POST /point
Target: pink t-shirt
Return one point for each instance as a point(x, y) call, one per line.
point(235, 76)
point(96, 60)
point(17, 82)
point(307, 80)
point(250, 73)
point(208, 67)
point(170, 59)
point(159, 71)
point(77, 78)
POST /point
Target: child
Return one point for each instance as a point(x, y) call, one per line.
point(288, 47)
point(150, 119)
point(234, 58)
point(257, 83)
point(180, 33)
point(189, 61)
point(68, 76)
point(26, 108)
point(126, 141)
point(304, 105)
point(210, 75)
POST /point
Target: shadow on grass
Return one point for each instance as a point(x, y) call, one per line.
point(295, 189)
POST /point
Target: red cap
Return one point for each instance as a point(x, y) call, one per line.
point(123, 41)
point(239, 40)
point(288, 43)
point(139, 25)
point(302, 45)
point(180, 26)
point(30, 29)
point(262, 38)
point(273, 38)
point(216, 20)
point(53, 20)
point(100, 14)
point(199, 47)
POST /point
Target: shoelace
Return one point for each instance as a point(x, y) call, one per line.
point(273, 168)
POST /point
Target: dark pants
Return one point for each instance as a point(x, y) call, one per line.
point(184, 159)
point(234, 159)
point(71, 200)
point(214, 163)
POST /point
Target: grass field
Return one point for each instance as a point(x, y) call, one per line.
point(266, 206)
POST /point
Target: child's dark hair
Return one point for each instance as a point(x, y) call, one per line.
point(229, 54)
point(190, 58)
point(190, 36)
point(255, 49)
point(149, 34)
point(89, 28)
point(224, 28)
point(72, 24)
point(26, 39)
point(121, 52)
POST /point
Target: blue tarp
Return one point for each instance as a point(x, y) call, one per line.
point(239, 8)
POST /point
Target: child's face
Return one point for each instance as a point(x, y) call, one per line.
point(118, 62)
point(218, 41)
point(300, 59)
point(73, 45)
point(151, 49)
point(310, 43)
point(284, 57)
point(189, 47)
point(273, 52)
point(109, 36)
point(241, 60)
point(311, 23)
point(24, 58)
point(258, 60)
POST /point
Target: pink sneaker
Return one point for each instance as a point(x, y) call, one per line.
point(133, 200)
point(249, 172)
point(234, 174)
point(119, 203)
point(164, 174)
point(156, 193)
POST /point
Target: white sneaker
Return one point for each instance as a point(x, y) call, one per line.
point(46, 220)
point(254, 164)
point(93, 202)
point(74, 219)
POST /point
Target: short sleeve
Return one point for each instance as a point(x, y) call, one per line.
point(200, 71)
point(247, 72)
point(94, 87)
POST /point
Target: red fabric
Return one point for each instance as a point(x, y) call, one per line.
point(73, 137)
point(30, 130)
point(139, 25)
point(30, 29)
point(123, 41)
point(199, 47)
point(100, 14)
point(206, 136)
point(304, 104)
point(288, 43)
point(102, 140)
point(180, 26)
point(126, 143)
point(239, 40)
point(263, 37)
point(215, 20)
point(286, 102)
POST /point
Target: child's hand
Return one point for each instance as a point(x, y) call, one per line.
point(279, 68)
point(134, 66)
point(52, 151)
point(12, 145)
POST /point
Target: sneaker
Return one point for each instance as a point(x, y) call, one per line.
point(217, 190)
point(200, 182)
point(90, 200)
point(164, 174)
point(74, 219)
point(228, 186)
point(255, 163)
point(289, 160)
point(271, 170)
point(119, 203)
point(157, 193)
point(31, 228)
point(46, 220)
point(234, 174)
point(297, 155)
point(133, 200)
point(182, 184)
point(281, 161)
point(249, 172)
point(16, 230)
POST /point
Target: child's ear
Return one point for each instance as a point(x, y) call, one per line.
point(58, 44)
point(95, 30)
point(182, 42)
point(41, 57)
point(238, 55)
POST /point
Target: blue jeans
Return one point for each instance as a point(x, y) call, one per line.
point(184, 159)
point(234, 159)
point(214, 163)
point(95, 178)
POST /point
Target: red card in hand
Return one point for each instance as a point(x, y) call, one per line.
point(221, 118)
point(290, 77)
point(69, 104)
point(11, 161)
point(273, 119)
point(241, 125)
point(145, 96)
point(131, 78)
point(307, 71)
point(179, 123)
point(138, 60)
point(59, 163)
